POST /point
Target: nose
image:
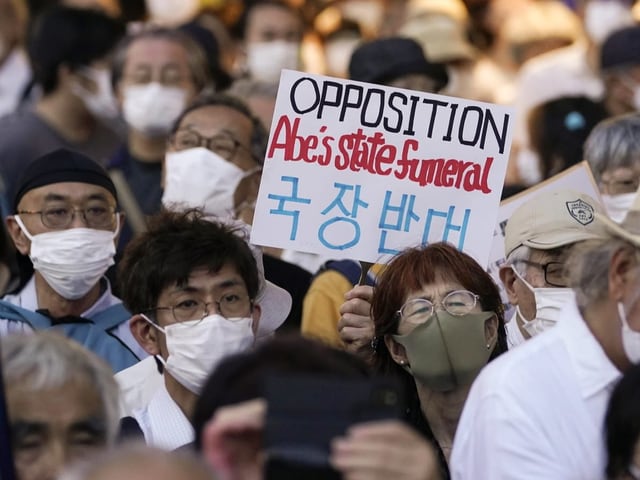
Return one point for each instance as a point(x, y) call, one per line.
point(78, 219)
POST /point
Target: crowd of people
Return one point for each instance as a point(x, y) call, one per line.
point(143, 334)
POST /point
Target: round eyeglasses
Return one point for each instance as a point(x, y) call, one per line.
point(98, 217)
point(458, 302)
point(224, 145)
point(231, 306)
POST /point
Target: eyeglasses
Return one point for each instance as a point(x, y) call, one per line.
point(98, 217)
point(231, 306)
point(554, 272)
point(458, 302)
point(224, 145)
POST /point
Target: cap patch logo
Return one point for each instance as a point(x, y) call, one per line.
point(581, 211)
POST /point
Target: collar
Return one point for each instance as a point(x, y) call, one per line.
point(28, 298)
point(168, 425)
point(594, 371)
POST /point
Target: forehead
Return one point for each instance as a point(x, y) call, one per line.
point(75, 400)
point(73, 192)
point(212, 119)
point(273, 18)
point(204, 280)
point(155, 52)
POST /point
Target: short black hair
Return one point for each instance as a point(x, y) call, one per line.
point(622, 423)
point(240, 377)
point(69, 36)
point(173, 246)
point(259, 134)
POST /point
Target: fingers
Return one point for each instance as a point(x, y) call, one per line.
point(386, 449)
point(364, 292)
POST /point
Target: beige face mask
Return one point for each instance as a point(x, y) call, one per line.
point(447, 351)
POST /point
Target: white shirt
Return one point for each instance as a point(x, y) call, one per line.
point(537, 411)
point(27, 298)
point(138, 384)
point(163, 423)
point(514, 335)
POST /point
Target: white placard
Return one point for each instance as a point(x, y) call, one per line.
point(361, 171)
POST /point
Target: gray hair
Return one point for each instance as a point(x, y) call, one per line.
point(521, 252)
point(613, 143)
point(196, 58)
point(50, 360)
point(589, 269)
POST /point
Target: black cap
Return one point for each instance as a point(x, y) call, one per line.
point(621, 48)
point(62, 165)
point(385, 59)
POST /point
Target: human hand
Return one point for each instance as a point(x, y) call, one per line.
point(232, 440)
point(383, 450)
point(355, 326)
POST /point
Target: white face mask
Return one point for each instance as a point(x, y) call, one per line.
point(72, 261)
point(265, 60)
point(200, 178)
point(196, 347)
point(549, 303)
point(630, 338)
point(603, 17)
point(153, 108)
point(101, 104)
point(617, 206)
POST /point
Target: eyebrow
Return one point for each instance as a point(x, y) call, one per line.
point(56, 197)
point(23, 428)
point(191, 289)
point(92, 425)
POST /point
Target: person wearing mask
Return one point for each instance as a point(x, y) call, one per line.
point(214, 161)
point(198, 295)
point(539, 238)
point(539, 411)
point(396, 62)
point(269, 33)
point(620, 71)
point(69, 52)
point(156, 74)
point(62, 403)
point(612, 150)
point(65, 218)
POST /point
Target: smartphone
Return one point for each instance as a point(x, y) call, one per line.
point(305, 412)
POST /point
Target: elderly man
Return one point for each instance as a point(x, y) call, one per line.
point(65, 219)
point(198, 294)
point(538, 412)
point(539, 237)
point(613, 152)
point(62, 403)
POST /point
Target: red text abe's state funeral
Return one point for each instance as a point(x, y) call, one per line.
point(390, 114)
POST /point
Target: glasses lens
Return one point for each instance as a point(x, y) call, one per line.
point(58, 217)
point(459, 302)
point(188, 310)
point(99, 216)
point(234, 305)
point(185, 139)
point(416, 311)
point(555, 274)
point(223, 145)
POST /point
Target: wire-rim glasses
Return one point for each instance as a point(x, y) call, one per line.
point(231, 306)
point(457, 302)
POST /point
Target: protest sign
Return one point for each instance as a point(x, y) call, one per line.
point(361, 171)
point(578, 177)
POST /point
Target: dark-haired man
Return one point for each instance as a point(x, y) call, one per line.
point(65, 218)
point(197, 294)
point(69, 51)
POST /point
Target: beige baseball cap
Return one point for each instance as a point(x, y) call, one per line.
point(554, 219)
point(629, 228)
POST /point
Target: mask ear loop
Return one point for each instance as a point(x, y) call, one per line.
point(531, 289)
point(161, 364)
point(22, 227)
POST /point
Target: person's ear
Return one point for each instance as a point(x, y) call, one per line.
point(508, 278)
point(491, 330)
point(621, 272)
point(20, 240)
point(255, 315)
point(145, 334)
point(397, 351)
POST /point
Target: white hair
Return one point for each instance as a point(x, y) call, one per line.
point(514, 259)
point(44, 360)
